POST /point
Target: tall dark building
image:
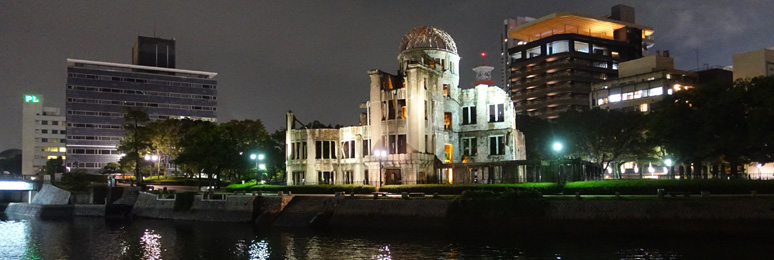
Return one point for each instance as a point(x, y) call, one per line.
point(97, 93)
point(155, 52)
point(558, 57)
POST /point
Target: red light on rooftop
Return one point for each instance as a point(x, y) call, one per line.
point(483, 54)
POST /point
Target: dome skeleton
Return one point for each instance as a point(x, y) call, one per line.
point(427, 37)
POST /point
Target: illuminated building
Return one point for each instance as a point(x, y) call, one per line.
point(97, 93)
point(641, 83)
point(43, 134)
point(558, 57)
point(754, 63)
point(414, 120)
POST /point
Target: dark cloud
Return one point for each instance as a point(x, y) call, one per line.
point(312, 56)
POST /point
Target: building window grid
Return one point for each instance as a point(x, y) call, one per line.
point(497, 145)
point(469, 115)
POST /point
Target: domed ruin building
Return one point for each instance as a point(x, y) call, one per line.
point(419, 126)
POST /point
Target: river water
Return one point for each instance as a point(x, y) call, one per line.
point(97, 238)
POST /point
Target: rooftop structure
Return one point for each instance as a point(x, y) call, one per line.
point(558, 57)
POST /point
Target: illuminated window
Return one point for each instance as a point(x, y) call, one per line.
point(657, 91)
point(614, 54)
point(558, 47)
point(445, 90)
point(614, 98)
point(533, 52)
point(581, 47)
point(447, 121)
point(402, 108)
point(600, 101)
point(62, 149)
point(644, 107)
point(627, 96)
point(637, 94)
point(391, 109)
point(448, 151)
point(468, 115)
point(516, 56)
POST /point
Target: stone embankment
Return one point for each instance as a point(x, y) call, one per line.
point(541, 214)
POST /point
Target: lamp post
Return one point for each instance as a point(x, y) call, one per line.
point(759, 170)
point(557, 146)
point(154, 158)
point(668, 162)
point(381, 154)
point(256, 158)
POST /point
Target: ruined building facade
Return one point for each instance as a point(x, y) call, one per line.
point(414, 121)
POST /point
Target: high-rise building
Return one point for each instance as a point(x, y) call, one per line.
point(43, 134)
point(414, 120)
point(754, 63)
point(506, 44)
point(97, 93)
point(558, 57)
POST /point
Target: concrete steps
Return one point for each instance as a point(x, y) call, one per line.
point(302, 211)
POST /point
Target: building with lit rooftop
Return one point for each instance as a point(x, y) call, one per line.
point(98, 92)
point(558, 57)
point(415, 121)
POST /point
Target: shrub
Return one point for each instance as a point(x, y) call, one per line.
point(304, 189)
point(649, 187)
point(75, 181)
point(455, 189)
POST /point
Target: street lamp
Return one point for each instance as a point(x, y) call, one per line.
point(668, 163)
point(155, 159)
point(381, 154)
point(759, 170)
point(256, 158)
point(557, 146)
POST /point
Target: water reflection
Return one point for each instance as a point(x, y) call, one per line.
point(151, 245)
point(95, 238)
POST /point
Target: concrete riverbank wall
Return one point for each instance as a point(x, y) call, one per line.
point(231, 208)
point(690, 214)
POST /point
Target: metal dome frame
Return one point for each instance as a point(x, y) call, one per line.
point(424, 37)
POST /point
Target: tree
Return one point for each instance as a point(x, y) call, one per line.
point(604, 137)
point(539, 135)
point(137, 139)
point(54, 166)
point(731, 123)
point(111, 168)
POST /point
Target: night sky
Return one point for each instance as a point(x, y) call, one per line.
point(313, 57)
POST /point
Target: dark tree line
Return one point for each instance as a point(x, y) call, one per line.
point(716, 125)
point(200, 147)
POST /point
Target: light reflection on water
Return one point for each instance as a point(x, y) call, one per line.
point(95, 238)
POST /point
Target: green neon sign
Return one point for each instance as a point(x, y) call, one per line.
point(31, 99)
